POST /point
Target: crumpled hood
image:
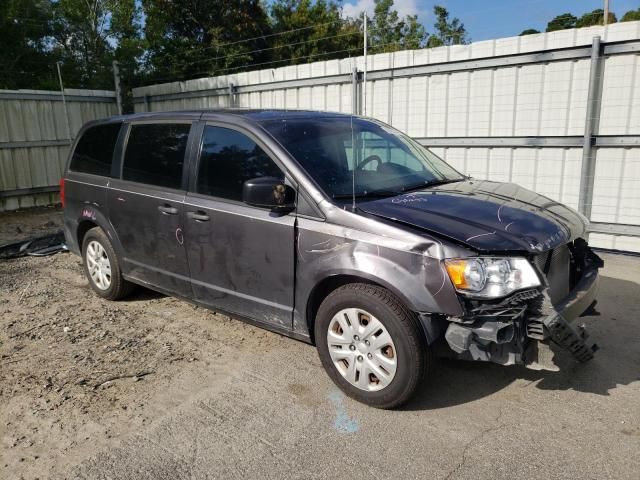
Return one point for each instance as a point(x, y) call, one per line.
point(486, 216)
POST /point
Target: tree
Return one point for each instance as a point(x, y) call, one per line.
point(414, 35)
point(191, 38)
point(631, 16)
point(316, 31)
point(80, 33)
point(447, 32)
point(126, 30)
point(386, 30)
point(562, 22)
point(25, 27)
point(529, 31)
point(390, 33)
point(596, 17)
point(88, 36)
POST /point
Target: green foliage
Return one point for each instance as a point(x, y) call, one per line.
point(189, 38)
point(631, 16)
point(386, 29)
point(182, 39)
point(316, 31)
point(567, 20)
point(596, 17)
point(389, 33)
point(414, 36)
point(448, 32)
point(562, 22)
point(529, 31)
point(87, 36)
point(25, 58)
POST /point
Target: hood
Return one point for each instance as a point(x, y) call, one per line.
point(484, 215)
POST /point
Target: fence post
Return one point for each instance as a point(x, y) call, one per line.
point(356, 106)
point(64, 103)
point(594, 99)
point(116, 81)
point(232, 95)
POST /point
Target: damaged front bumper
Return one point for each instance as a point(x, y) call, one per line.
point(522, 328)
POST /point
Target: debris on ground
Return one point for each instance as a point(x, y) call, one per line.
point(37, 247)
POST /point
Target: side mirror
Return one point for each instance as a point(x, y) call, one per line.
point(268, 192)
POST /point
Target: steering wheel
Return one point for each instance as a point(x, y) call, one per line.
point(368, 160)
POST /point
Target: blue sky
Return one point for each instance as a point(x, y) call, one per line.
point(485, 19)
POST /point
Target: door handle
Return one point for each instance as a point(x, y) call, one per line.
point(198, 216)
point(167, 209)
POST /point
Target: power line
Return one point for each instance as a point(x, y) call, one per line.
point(262, 37)
point(249, 66)
point(240, 54)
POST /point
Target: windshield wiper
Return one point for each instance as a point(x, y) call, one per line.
point(370, 194)
point(381, 193)
point(432, 183)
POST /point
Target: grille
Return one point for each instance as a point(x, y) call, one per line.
point(556, 266)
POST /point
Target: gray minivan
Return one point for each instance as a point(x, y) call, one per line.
point(333, 229)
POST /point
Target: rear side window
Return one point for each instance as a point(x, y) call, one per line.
point(155, 154)
point(94, 151)
point(228, 159)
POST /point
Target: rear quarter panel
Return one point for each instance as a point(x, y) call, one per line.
point(85, 206)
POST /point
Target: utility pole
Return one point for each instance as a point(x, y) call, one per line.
point(364, 75)
point(64, 102)
point(116, 81)
point(606, 12)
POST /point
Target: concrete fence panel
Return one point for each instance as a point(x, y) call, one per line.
point(555, 112)
point(34, 140)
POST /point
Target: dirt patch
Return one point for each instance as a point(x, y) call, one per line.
point(77, 372)
point(24, 224)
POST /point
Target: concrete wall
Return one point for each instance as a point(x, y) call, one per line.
point(540, 99)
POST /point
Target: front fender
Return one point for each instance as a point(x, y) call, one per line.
point(415, 275)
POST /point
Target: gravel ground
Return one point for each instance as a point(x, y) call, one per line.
point(153, 387)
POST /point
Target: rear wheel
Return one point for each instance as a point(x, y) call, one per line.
point(101, 266)
point(371, 345)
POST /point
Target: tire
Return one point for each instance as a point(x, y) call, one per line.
point(106, 280)
point(365, 371)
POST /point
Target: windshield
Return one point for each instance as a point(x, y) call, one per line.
point(386, 161)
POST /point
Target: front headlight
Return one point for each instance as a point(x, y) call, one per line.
point(491, 277)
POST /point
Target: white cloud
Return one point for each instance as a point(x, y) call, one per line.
point(404, 7)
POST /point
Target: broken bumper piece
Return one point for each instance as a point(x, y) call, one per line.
point(526, 328)
point(558, 325)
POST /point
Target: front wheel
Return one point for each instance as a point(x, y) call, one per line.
point(371, 345)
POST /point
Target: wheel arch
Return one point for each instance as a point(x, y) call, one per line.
point(83, 227)
point(332, 282)
point(91, 218)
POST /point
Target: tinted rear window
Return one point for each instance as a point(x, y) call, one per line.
point(94, 152)
point(155, 154)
